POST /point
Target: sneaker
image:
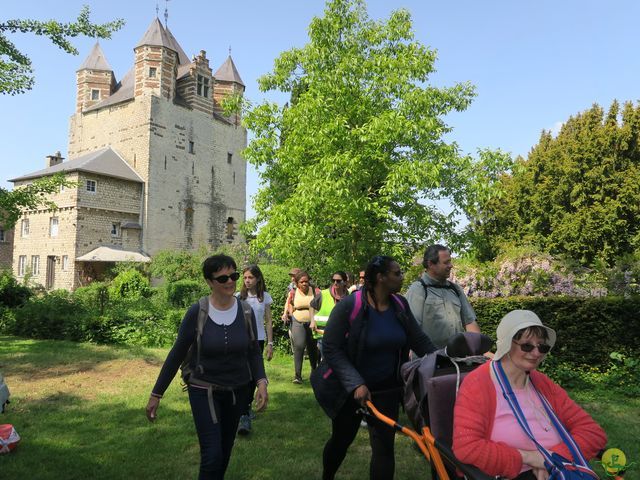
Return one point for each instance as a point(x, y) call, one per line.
point(252, 414)
point(364, 424)
point(297, 381)
point(244, 425)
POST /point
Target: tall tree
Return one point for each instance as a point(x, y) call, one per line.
point(577, 194)
point(356, 164)
point(16, 73)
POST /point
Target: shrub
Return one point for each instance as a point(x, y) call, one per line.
point(589, 329)
point(183, 293)
point(12, 294)
point(55, 315)
point(94, 296)
point(129, 284)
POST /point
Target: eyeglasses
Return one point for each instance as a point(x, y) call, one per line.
point(225, 278)
point(362, 277)
point(528, 347)
point(337, 280)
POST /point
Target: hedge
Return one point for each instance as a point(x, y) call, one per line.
point(589, 329)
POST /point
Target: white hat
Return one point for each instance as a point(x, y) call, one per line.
point(512, 323)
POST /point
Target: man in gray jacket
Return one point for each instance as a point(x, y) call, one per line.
point(439, 305)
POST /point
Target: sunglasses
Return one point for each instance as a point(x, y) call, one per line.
point(225, 278)
point(528, 347)
point(336, 280)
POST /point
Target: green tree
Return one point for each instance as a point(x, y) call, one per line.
point(577, 194)
point(16, 73)
point(356, 164)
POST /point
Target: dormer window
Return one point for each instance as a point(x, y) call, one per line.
point(152, 72)
point(95, 94)
point(203, 86)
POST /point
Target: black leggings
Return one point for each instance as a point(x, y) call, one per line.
point(252, 384)
point(344, 429)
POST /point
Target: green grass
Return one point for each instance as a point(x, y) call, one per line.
point(80, 411)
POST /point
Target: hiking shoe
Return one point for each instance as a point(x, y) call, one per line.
point(244, 425)
point(297, 381)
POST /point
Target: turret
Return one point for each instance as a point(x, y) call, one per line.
point(227, 82)
point(156, 63)
point(95, 80)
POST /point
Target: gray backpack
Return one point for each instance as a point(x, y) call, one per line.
point(4, 394)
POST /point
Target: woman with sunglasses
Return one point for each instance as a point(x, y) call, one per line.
point(365, 352)
point(219, 385)
point(486, 432)
point(324, 303)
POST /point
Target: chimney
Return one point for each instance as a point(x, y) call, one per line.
point(54, 159)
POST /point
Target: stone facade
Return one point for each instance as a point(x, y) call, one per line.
point(162, 121)
point(6, 248)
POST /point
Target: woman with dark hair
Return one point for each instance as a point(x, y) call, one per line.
point(324, 303)
point(254, 292)
point(301, 313)
point(218, 384)
point(365, 354)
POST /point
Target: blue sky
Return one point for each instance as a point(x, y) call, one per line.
point(534, 63)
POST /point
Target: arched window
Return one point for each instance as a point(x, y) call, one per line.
point(230, 224)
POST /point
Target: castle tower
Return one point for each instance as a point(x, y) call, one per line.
point(227, 82)
point(95, 80)
point(156, 63)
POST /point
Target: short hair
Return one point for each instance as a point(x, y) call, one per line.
point(301, 274)
point(215, 263)
point(532, 331)
point(432, 254)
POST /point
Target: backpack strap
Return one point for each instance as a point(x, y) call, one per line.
point(448, 286)
point(203, 313)
point(357, 306)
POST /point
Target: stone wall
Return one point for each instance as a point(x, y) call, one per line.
point(6, 248)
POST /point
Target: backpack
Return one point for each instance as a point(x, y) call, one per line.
point(203, 312)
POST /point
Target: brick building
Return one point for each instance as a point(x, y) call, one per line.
point(155, 162)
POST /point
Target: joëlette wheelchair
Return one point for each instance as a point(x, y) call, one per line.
point(431, 384)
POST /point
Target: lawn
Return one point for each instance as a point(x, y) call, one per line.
point(80, 411)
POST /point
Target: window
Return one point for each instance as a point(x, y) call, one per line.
point(35, 264)
point(95, 94)
point(65, 263)
point(24, 227)
point(53, 227)
point(2, 239)
point(115, 229)
point(202, 88)
point(91, 186)
point(229, 157)
point(61, 188)
point(192, 147)
point(152, 72)
point(22, 265)
point(230, 228)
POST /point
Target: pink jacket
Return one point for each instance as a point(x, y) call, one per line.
point(475, 412)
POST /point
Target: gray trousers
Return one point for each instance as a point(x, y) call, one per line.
point(301, 337)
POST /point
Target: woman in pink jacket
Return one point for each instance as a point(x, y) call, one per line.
point(485, 431)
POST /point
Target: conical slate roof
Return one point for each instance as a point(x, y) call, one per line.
point(96, 60)
point(157, 35)
point(228, 72)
